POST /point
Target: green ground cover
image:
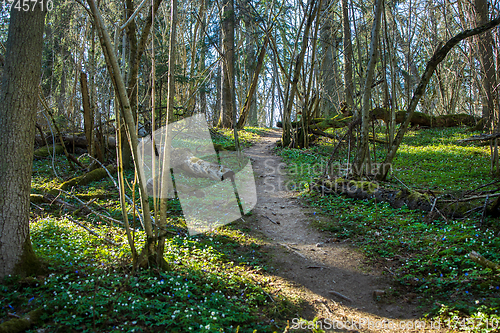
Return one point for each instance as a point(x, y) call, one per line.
point(218, 281)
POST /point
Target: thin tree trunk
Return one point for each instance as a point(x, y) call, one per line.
point(485, 53)
point(166, 151)
point(88, 120)
point(347, 55)
point(121, 93)
point(362, 154)
point(227, 73)
point(293, 84)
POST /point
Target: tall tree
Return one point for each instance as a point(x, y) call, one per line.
point(347, 54)
point(485, 54)
point(18, 104)
point(328, 60)
point(362, 154)
point(227, 73)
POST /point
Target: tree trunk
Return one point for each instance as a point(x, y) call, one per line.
point(251, 65)
point(227, 73)
point(362, 155)
point(18, 105)
point(488, 80)
point(327, 72)
point(286, 137)
point(168, 137)
point(203, 52)
point(136, 49)
point(88, 120)
point(125, 109)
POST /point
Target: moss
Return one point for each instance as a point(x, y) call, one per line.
point(28, 264)
point(87, 178)
point(417, 196)
point(366, 186)
point(38, 198)
point(48, 150)
point(21, 324)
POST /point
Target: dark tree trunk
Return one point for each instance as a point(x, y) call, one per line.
point(485, 52)
point(18, 104)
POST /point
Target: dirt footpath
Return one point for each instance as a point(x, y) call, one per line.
point(331, 276)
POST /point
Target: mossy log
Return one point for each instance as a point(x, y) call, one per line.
point(422, 119)
point(397, 198)
point(38, 199)
point(21, 324)
point(479, 259)
point(48, 150)
point(418, 118)
point(87, 178)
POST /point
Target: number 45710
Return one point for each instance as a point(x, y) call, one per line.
point(27, 5)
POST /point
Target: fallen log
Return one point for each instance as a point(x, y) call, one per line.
point(87, 178)
point(479, 259)
point(397, 198)
point(418, 118)
point(48, 150)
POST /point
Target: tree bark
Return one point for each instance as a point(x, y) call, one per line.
point(363, 153)
point(485, 52)
point(227, 73)
point(347, 55)
point(18, 104)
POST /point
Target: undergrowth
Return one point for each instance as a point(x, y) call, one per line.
point(217, 282)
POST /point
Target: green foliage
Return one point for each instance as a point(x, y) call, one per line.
point(91, 288)
point(217, 284)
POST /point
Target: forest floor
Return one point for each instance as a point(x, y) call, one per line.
point(333, 277)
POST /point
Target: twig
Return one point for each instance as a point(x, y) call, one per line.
point(37, 206)
point(92, 210)
point(484, 210)
point(91, 231)
point(294, 251)
point(393, 175)
point(271, 297)
point(482, 186)
point(270, 219)
point(116, 185)
point(326, 308)
point(340, 295)
point(474, 198)
point(389, 270)
point(315, 267)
